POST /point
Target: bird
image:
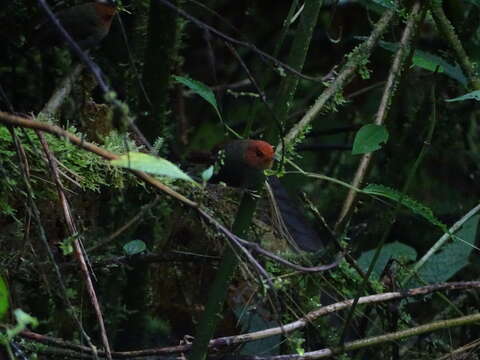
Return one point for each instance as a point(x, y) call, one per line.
point(241, 163)
point(87, 24)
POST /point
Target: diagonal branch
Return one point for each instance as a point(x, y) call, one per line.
point(398, 64)
point(356, 58)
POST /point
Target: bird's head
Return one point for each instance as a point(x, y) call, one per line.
point(259, 154)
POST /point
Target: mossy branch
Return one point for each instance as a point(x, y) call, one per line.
point(356, 59)
point(448, 31)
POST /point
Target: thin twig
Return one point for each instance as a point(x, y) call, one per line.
point(263, 55)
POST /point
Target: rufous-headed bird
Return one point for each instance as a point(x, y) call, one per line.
point(87, 24)
point(242, 163)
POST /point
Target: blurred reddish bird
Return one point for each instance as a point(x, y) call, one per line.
point(241, 164)
point(87, 24)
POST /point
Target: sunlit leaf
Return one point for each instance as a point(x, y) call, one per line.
point(474, 95)
point(151, 164)
point(207, 174)
point(23, 320)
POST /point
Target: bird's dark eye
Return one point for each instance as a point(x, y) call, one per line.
point(259, 153)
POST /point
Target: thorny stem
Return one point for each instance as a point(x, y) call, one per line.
point(446, 28)
point(346, 74)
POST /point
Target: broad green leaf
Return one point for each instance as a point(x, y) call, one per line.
point(474, 95)
point(151, 164)
point(3, 298)
point(430, 62)
point(453, 257)
point(200, 89)
point(369, 138)
point(395, 250)
point(134, 247)
point(412, 204)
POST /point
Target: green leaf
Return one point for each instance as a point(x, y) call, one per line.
point(412, 204)
point(23, 320)
point(200, 89)
point(3, 297)
point(67, 245)
point(430, 62)
point(208, 173)
point(369, 138)
point(395, 250)
point(151, 164)
point(474, 95)
point(134, 247)
point(453, 257)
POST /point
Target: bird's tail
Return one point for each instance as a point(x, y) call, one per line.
point(290, 221)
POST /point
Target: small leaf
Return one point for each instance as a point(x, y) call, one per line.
point(3, 298)
point(134, 247)
point(369, 138)
point(474, 95)
point(151, 164)
point(200, 89)
point(67, 245)
point(207, 174)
